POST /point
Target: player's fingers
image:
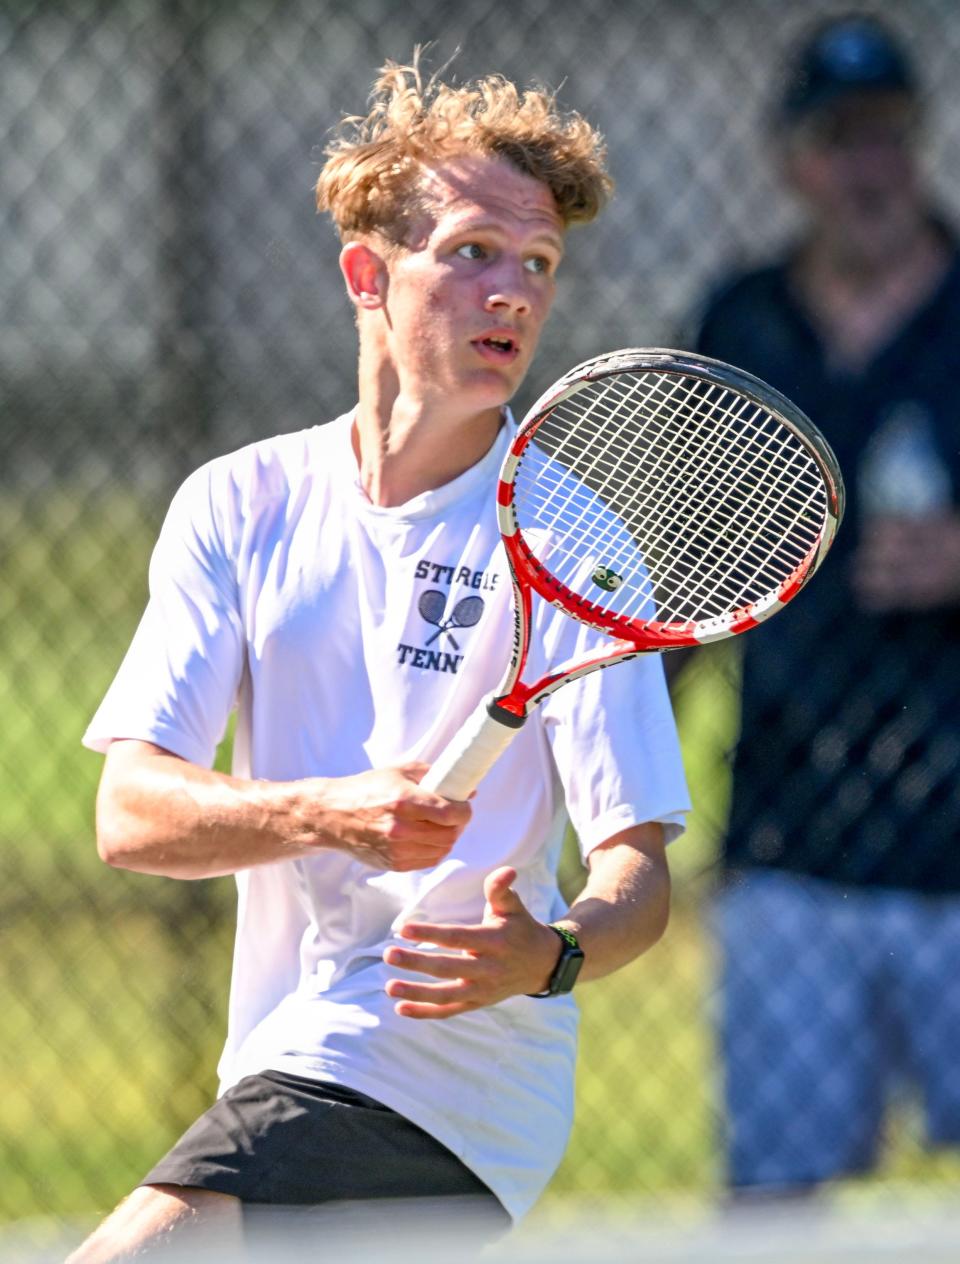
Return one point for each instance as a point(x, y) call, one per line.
point(405, 826)
point(422, 834)
point(426, 805)
point(445, 993)
point(414, 1009)
point(411, 1009)
point(437, 965)
point(470, 938)
point(415, 770)
point(402, 854)
point(497, 890)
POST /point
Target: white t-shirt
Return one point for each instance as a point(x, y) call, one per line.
point(278, 589)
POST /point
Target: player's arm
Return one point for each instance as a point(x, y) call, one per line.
point(624, 906)
point(620, 913)
point(159, 814)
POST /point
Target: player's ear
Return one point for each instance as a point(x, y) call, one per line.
point(365, 274)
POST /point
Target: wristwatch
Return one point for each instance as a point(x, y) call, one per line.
point(568, 964)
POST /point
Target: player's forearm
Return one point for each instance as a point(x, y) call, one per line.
point(624, 908)
point(162, 815)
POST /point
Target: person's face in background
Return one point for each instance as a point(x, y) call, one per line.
point(853, 164)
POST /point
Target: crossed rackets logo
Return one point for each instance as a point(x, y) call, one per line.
point(465, 614)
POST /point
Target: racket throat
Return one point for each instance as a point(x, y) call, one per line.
point(505, 715)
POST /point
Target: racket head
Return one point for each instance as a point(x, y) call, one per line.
point(431, 605)
point(667, 498)
point(466, 613)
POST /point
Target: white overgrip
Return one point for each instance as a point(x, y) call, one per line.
point(477, 746)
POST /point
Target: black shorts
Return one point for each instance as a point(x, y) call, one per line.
point(283, 1140)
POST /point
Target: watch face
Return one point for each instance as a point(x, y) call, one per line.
point(568, 964)
point(568, 967)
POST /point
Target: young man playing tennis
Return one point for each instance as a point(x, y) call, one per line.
point(289, 581)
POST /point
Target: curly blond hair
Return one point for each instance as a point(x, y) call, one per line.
point(370, 182)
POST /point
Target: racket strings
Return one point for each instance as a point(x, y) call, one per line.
point(662, 460)
point(742, 553)
point(619, 455)
point(689, 567)
point(694, 496)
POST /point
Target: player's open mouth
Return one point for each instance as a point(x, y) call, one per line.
point(498, 348)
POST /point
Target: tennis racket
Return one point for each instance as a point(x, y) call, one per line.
point(664, 498)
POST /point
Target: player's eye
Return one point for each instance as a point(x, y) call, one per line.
point(539, 264)
point(472, 250)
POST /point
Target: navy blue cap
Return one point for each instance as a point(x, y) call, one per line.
point(857, 53)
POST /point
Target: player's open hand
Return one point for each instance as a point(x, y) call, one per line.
point(386, 820)
point(509, 953)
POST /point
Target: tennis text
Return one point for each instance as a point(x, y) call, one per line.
point(429, 660)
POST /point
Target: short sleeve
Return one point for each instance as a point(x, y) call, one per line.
point(614, 742)
point(179, 679)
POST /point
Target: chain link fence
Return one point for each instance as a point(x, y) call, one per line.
point(169, 294)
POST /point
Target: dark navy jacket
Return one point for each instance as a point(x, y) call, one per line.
point(849, 765)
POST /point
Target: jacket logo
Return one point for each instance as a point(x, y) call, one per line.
point(440, 651)
point(465, 614)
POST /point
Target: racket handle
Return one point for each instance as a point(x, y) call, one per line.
point(463, 764)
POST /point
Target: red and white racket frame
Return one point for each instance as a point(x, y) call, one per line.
point(493, 725)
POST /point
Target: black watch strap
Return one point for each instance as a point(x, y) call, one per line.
point(568, 964)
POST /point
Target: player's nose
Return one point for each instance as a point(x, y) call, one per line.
point(509, 289)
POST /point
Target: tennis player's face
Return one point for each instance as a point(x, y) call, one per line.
point(469, 293)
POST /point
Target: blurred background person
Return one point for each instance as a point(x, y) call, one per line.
point(839, 918)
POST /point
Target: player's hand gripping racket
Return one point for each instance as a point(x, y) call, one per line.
point(664, 498)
